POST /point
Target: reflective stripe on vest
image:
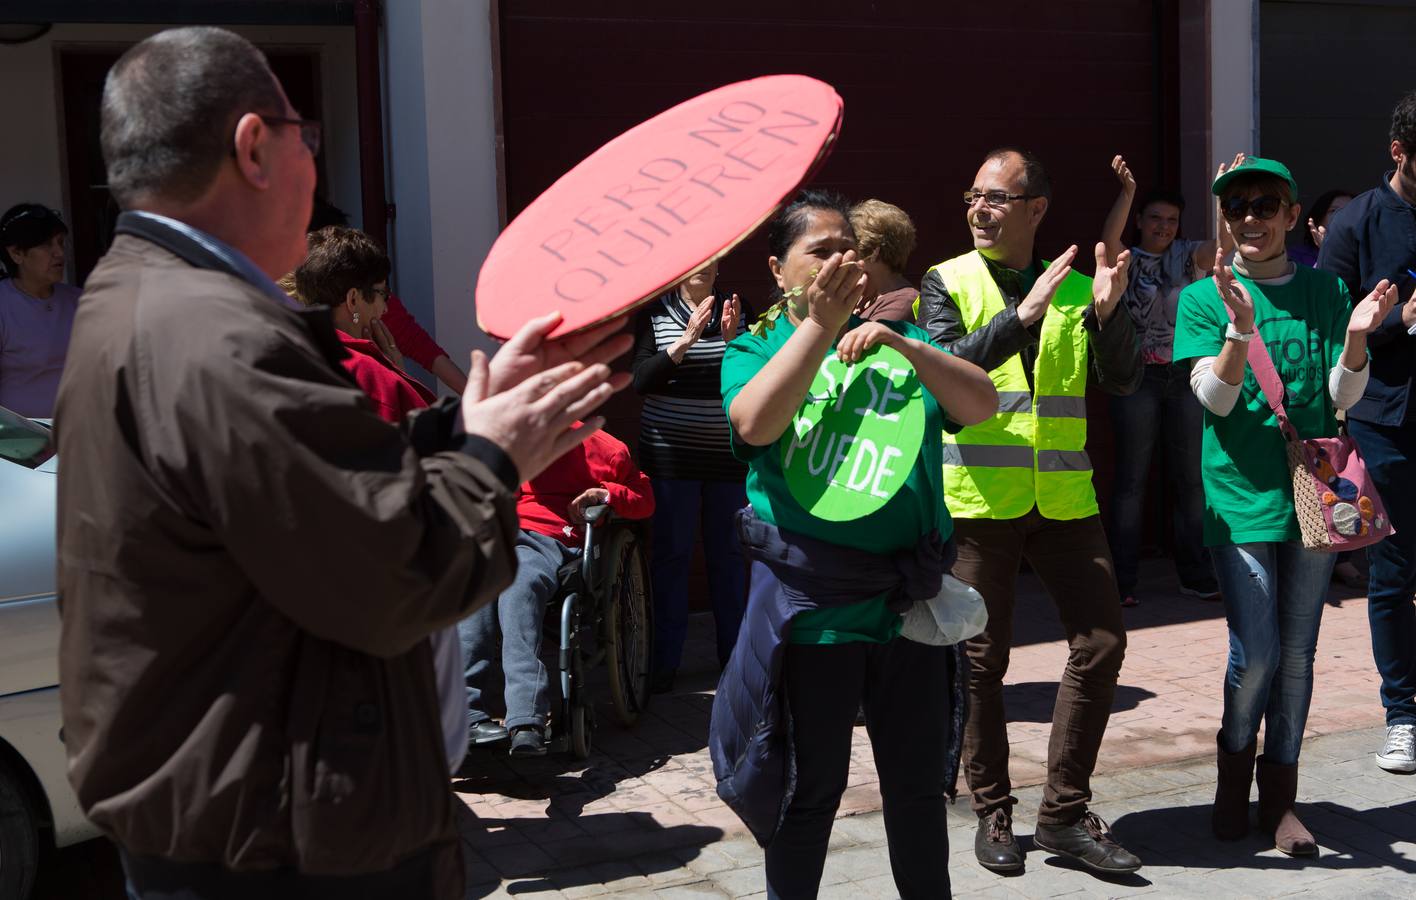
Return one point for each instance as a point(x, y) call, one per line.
point(1033, 452)
point(1014, 401)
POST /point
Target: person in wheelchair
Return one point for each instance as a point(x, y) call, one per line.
point(552, 511)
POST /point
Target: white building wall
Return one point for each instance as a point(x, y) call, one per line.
point(32, 161)
point(440, 116)
point(1234, 81)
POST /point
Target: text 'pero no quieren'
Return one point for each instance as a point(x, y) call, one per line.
point(667, 193)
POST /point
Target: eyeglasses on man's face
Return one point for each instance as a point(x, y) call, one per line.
point(995, 199)
point(310, 130)
point(1264, 207)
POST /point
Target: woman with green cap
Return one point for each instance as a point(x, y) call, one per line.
point(1273, 586)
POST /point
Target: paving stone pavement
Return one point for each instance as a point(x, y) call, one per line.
point(1364, 820)
point(641, 814)
point(650, 789)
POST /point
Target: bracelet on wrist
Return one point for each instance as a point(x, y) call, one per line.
point(1233, 334)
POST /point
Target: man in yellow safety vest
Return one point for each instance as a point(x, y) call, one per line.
point(1019, 486)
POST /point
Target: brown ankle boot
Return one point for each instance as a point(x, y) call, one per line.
point(1278, 789)
point(1230, 818)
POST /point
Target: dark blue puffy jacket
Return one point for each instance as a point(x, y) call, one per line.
point(749, 737)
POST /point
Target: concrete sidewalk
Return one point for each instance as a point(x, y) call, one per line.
point(1364, 820)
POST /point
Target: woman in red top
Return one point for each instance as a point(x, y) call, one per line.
point(346, 271)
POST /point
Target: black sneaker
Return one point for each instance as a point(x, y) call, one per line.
point(485, 732)
point(995, 848)
point(1090, 843)
point(527, 740)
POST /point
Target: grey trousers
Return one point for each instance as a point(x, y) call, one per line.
point(517, 614)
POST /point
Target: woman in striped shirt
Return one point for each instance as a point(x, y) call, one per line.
point(684, 448)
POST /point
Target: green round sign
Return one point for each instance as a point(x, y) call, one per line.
point(855, 439)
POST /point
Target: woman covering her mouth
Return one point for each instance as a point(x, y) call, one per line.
point(1273, 587)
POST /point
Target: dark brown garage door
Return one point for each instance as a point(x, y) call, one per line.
point(928, 89)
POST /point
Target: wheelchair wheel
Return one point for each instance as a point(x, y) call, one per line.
point(628, 626)
point(582, 729)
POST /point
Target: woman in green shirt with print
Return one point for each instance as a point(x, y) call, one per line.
point(1273, 587)
point(820, 635)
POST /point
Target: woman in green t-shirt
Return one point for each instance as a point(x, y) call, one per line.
point(825, 658)
point(1273, 587)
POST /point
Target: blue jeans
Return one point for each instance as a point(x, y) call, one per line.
point(1162, 405)
point(680, 507)
point(1273, 599)
point(1390, 454)
point(517, 614)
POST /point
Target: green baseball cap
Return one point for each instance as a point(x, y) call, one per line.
point(1255, 165)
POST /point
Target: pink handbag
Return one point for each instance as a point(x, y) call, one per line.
point(1337, 505)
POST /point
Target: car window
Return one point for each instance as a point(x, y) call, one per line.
point(24, 441)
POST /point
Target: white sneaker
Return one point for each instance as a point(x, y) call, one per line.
point(1399, 753)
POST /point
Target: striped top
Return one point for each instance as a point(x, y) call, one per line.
point(683, 431)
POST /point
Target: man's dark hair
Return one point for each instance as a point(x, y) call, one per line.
point(170, 107)
point(340, 258)
point(26, 226)
point(323, 214)
point(789, 225)
point(1035, 180)
point(1161, 195)
point(1403, 122)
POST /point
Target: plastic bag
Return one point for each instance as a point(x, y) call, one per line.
point(955, 614)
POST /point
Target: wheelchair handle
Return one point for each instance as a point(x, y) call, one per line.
point(599, 514)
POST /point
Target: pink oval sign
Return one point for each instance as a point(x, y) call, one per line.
point(656, 203)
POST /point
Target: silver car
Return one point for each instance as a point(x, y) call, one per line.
point(37, 806)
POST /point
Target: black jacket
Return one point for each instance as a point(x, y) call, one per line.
point(1372, 238)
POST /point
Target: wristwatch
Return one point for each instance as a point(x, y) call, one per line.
point(1233, 334)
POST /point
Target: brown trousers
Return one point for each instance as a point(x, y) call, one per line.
point(1074, 562)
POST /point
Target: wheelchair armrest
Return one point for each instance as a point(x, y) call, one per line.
point(593, 514)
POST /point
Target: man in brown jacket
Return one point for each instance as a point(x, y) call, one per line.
point(250, 559)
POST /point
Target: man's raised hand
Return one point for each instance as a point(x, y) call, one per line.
point(532, 421)
point(1109, 284)
point(529, 351)
point(1036, 303)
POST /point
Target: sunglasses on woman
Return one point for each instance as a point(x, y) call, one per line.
point(1264, 207)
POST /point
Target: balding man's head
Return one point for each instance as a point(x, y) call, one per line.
point(196, 127)
point(170, 106)
point(1011, 193)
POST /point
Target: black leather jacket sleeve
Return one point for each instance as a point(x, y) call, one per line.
point(988, 347)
